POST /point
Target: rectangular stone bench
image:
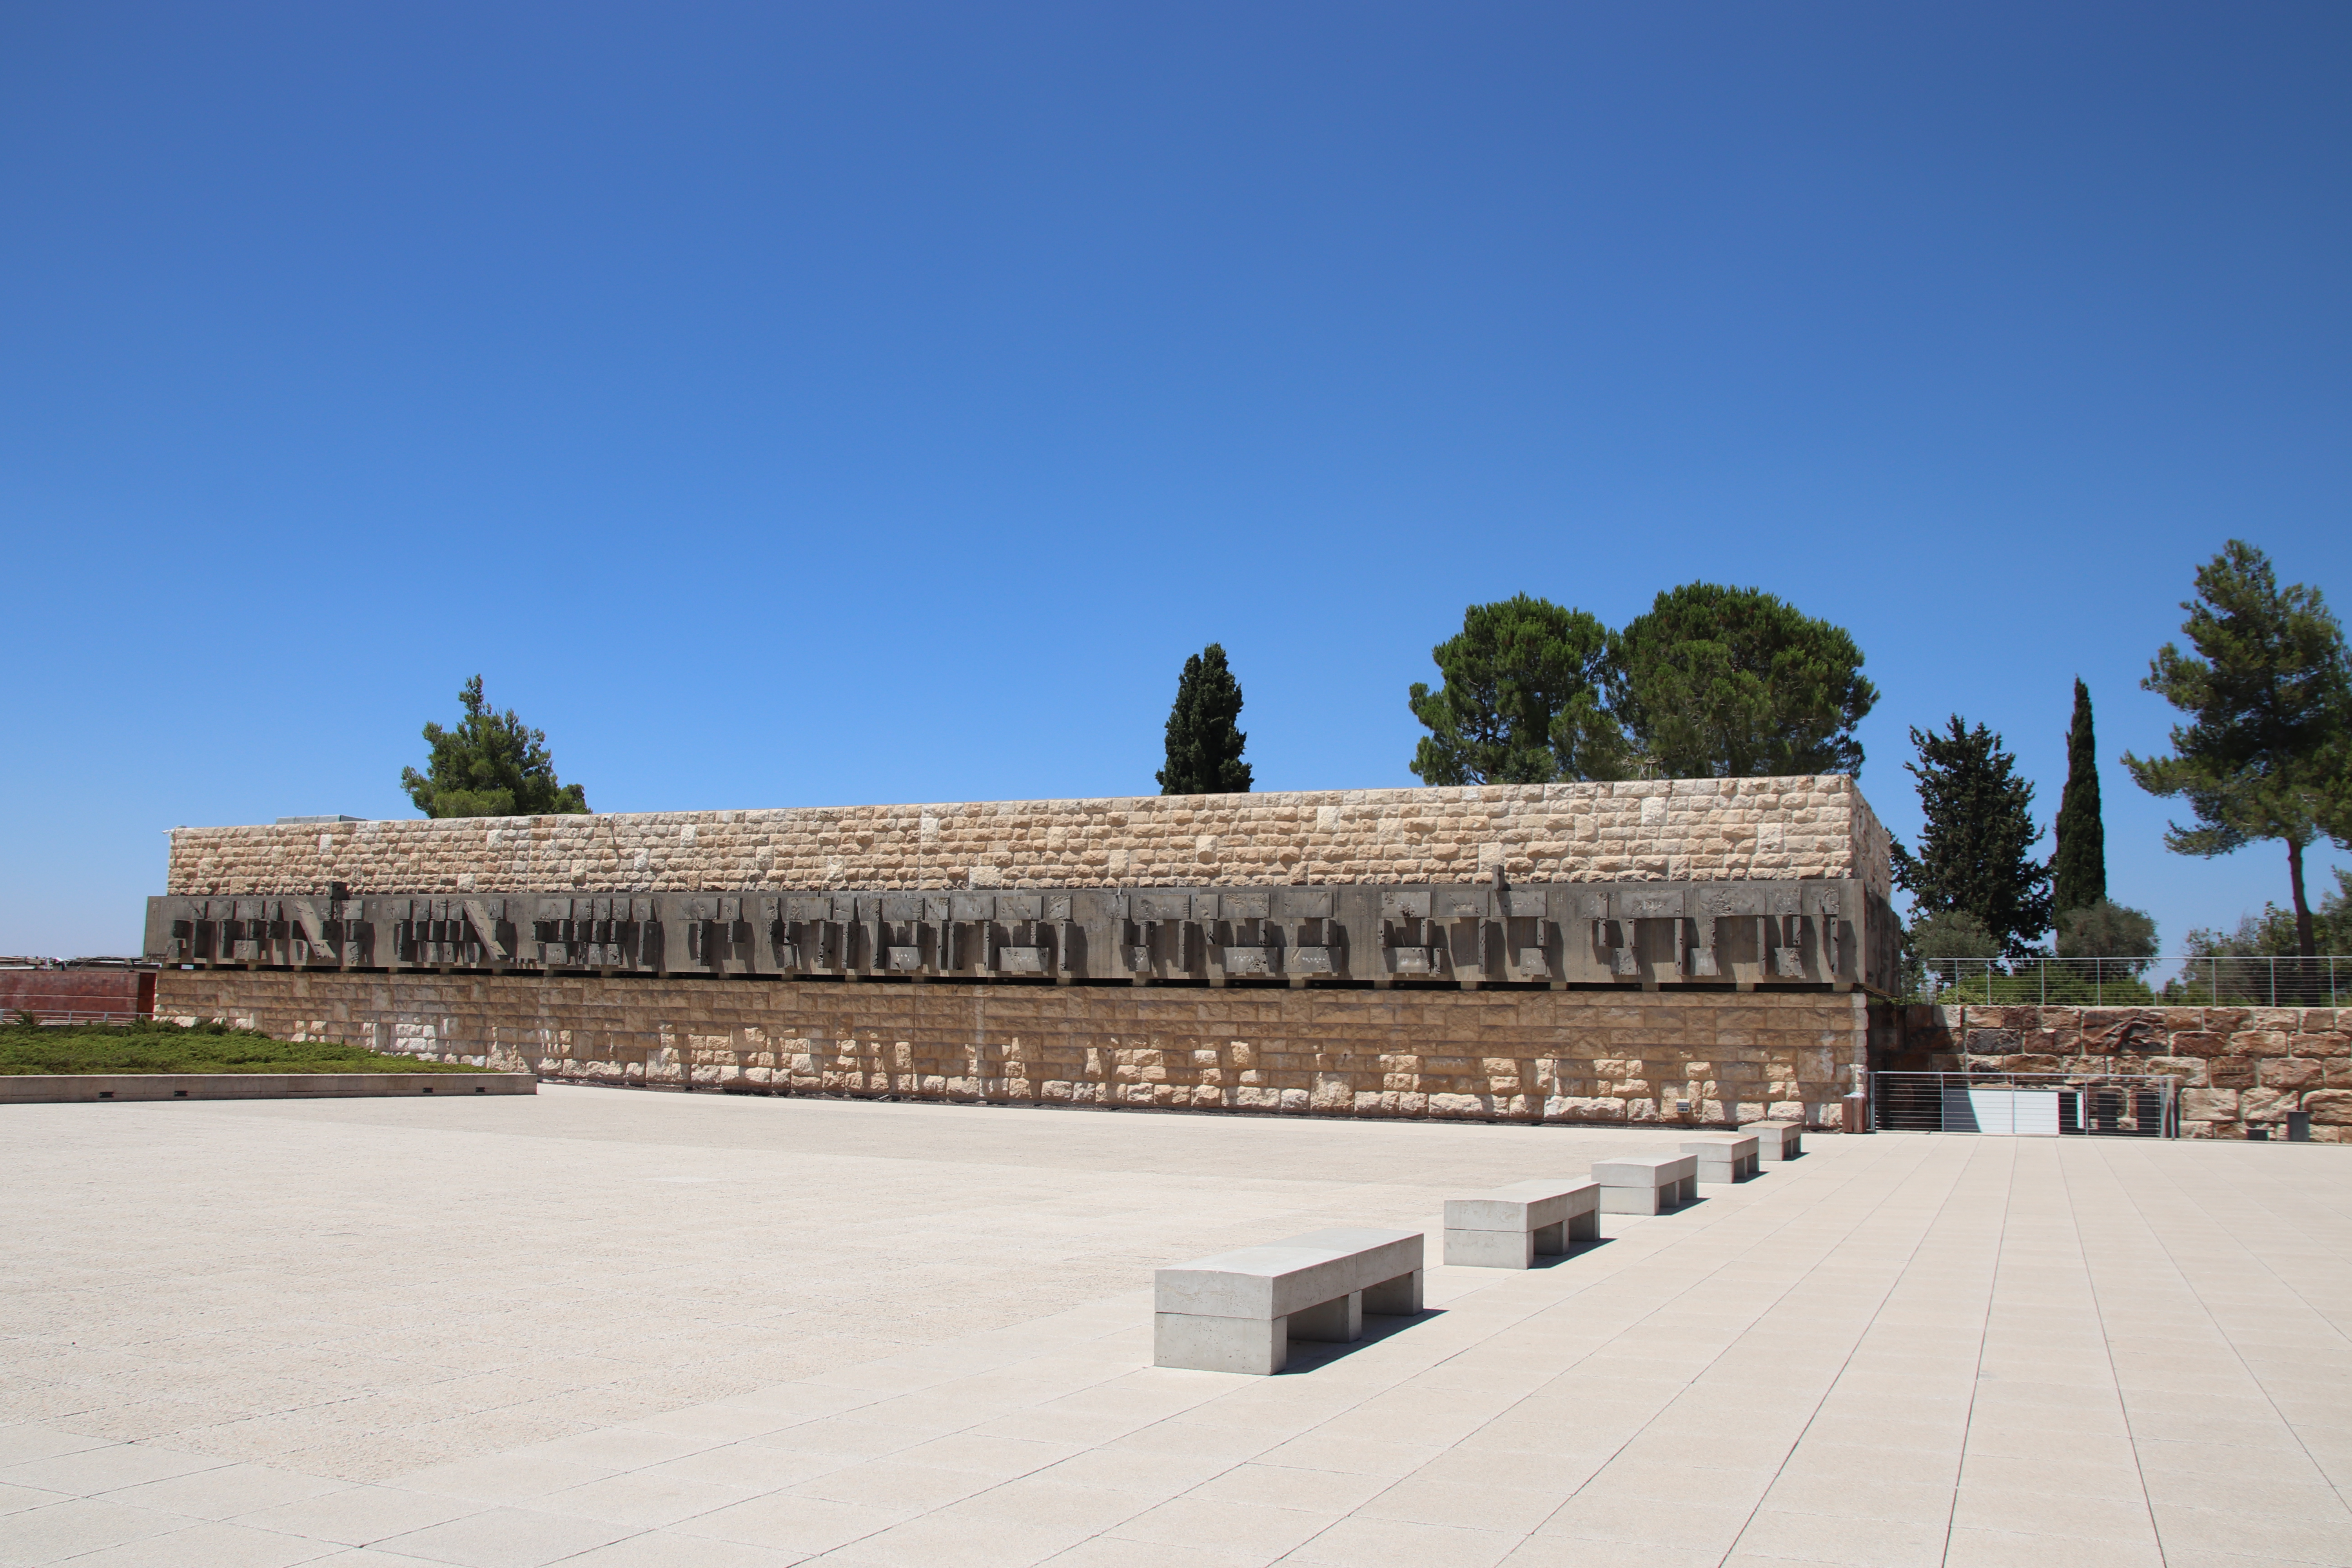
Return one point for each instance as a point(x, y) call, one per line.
point(1777, 1141)
point(1724, 1157)
point(1239, 1310)
point(1507, 1228)
point(1646, 1184)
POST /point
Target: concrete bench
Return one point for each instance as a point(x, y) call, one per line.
point(1777, 1141)
point(1239, 1310)
point(1507, 1228)
point(1646, 1184)
point(1724, 1157)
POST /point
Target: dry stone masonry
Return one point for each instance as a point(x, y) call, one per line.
point(2238, 1067)
point(1666, 1057)
point(1775, 829)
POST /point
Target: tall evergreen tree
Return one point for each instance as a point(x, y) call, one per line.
point(2078, 864)
point(2268, 753)
point(1204, 748)
point(1521, 702)
point(1976, 853)
point(491, 764)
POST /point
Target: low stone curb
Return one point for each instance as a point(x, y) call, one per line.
point(51, 1089)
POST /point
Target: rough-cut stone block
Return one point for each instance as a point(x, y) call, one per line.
point(2329, 1107)
point(2230, 1072)
point(2209, 1105)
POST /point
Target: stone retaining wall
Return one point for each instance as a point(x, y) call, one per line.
point(2237, 1064)
point(1577, 1056)
point(1666, 830)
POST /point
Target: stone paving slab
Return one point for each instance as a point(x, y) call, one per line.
point(630, 1330)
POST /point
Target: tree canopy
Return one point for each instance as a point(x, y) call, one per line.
point(1521, 701)
point(1712, 682)
point(491, 764)
point(2271, 933)
point(2267, 749)
point(1949, 935)
point(1205, 747)
point(2078, 862)
point(1975, 851)
point(1718, 682)
point(2106, 930)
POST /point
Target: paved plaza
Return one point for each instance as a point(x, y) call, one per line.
point(625, 1329)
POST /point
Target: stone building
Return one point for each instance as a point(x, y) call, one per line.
point(1684, 950)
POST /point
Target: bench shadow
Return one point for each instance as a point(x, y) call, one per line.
point(1305, 1355)
point(1554, 1259)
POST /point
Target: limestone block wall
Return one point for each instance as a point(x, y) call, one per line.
point(2238, 1066)
point(1673, 829)
point(1579, 1057)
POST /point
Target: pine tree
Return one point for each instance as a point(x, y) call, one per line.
point(1975, 854)
point(491, 764)
point(1521, 701)
point(1204, 749)
point(2269, 689)
point(2078, 866)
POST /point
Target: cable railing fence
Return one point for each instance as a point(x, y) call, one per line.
point(2197, 980)
point(2028, 1104)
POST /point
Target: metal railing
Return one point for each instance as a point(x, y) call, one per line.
point(2189, 981)
point(56, 1015)
point(2028, 1104)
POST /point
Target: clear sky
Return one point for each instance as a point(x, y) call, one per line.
point(791, 406)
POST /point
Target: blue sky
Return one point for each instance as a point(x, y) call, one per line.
point(793, 405)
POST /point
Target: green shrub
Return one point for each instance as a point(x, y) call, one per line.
point(149, 1047)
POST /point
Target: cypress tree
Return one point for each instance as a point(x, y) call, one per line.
point(1204, 748)
point(2078, 866)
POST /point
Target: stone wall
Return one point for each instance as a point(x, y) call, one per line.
point(1666, 830)
point(1578, 1057)
point(2237, 1064)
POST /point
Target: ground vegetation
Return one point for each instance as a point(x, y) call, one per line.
point(152, 1047)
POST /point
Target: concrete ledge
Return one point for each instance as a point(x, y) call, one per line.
point(1507, 1228)
point(1239, 1310)
point(51, 1089)
point(1646, 1184)
point(1724, 1158)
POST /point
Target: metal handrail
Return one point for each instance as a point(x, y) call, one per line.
point(48, 1015)
point(2084, 1103)
point(2184, 980)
